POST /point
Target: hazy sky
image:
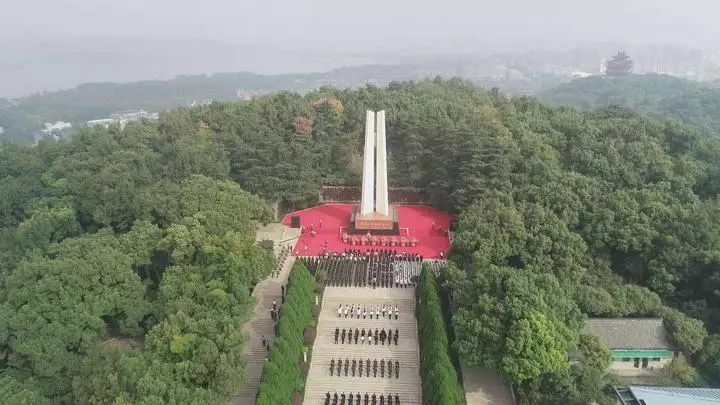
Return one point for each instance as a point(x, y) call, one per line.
point(50, 44)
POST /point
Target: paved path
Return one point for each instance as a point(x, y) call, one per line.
point(320, 382)
point(260, 324)
point(485, 387)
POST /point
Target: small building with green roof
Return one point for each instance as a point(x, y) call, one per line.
point(635, 343)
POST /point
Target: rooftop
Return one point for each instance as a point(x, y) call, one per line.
point(668, 396)
point(630, 333)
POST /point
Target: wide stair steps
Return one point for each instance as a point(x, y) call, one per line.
point(407, 386)
point(260, 324)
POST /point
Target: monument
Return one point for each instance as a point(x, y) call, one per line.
point(375, 215)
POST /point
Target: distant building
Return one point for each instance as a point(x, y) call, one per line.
point(105, 122)
point(123, 118)
point(667, 396)
point(619, 65)
point(58, 126)
point(635, 343)
point(53, 131)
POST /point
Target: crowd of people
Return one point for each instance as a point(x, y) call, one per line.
point(436, 265)
point(283, 254)
point(349, 368)
point(347, 399)
point(360, 336)
point(383, 268)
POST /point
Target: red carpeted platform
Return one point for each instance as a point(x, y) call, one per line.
point(329, 221)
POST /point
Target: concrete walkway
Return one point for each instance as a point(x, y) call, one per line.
point(260, 324)
point(485, 387)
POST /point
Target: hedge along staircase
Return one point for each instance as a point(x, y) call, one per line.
point(260, 324)
point(319, 381)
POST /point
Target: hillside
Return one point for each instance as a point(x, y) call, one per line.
point(654, 95)
point(22, 117)
point(147, 233)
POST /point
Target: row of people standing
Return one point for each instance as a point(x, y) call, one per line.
point(347, 399)
point(355, 311)
point(380, 337)
point(337, 368)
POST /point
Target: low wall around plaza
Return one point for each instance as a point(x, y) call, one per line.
point(397, 195)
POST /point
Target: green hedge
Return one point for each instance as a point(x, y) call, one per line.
point(281, 375)
point(440, 381)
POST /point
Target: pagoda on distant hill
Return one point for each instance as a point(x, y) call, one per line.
point(619, 65)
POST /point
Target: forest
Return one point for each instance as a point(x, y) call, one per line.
point(23, 117)
point(650, 94)
point(128, 256)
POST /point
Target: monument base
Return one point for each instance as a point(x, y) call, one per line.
point(374, 223)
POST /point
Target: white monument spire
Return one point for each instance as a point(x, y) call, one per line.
point(382, 205)
point(368, 180)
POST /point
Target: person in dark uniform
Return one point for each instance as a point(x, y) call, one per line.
point(390, 399)
point(374, 399)
point(357, 334)
point(342, 339)
point(335, 398)
point(367, 367)
point(342, 399)
point(397, 399)
point(376, 336)
point(397, 369)
point(390, 367)
point(367, 398)
point(337, 334)
point(357, 399)
point(382, 399)
point(327, 399)
point(354, 365)
point(332, 366)
point(397, 335)
point(390, 335)
point(375, 368)
point(382, 368)
point(383, 335)
point(347, 364)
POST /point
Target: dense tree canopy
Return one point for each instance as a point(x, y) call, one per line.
point(131, 251)
point(659, 96)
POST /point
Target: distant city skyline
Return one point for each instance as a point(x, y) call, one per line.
point(59, 44)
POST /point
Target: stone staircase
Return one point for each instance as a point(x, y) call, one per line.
point(319, 381)
point(260, 324)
